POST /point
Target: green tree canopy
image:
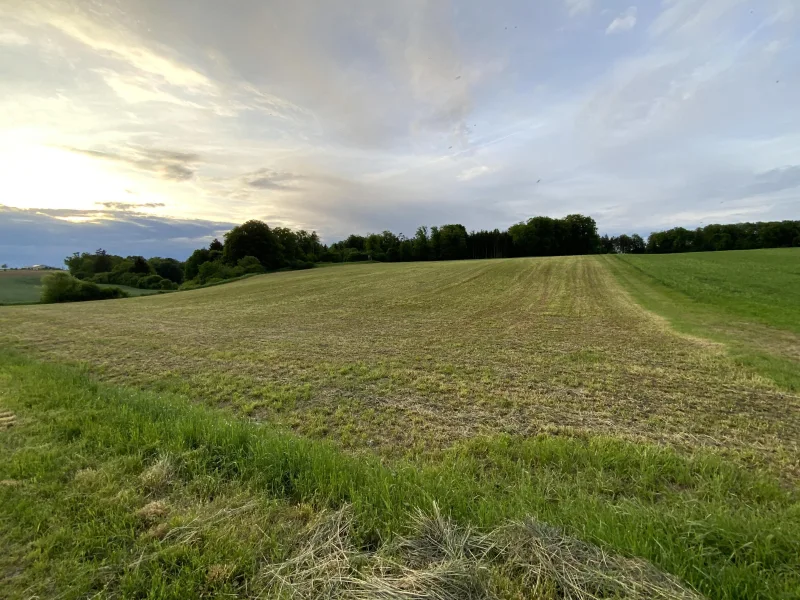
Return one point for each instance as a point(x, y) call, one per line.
point(253, 238)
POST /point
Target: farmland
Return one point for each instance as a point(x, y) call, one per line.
point(20, 287)
point(746, 300)
point(25, 287)
point(499, 389)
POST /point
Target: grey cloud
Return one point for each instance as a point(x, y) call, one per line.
point(265, 179)
point(176, 172)
point(168, 164)
point(775, 180)
point(30, 236)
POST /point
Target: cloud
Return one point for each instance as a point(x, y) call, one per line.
point(48, 236)
point(362, 116)
point(775, 180)
point(265, 179)
point(12, 38)
point(168, 164)
point(131, 207)
point(625, 22)
point(472, 173)
point(578, 7)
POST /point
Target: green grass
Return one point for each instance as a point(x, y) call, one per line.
point(21, 287)
point(747, 300)
point(25, 287)
point(85, 463)
point(758, 285)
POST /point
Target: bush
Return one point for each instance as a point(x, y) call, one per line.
point(143, 282)
point(62, 287)
point(355, 256)
point(329, 257)
point(251, 264)
point(168, 268)
point(299, 265)
point(152, 282)
point(212, 271)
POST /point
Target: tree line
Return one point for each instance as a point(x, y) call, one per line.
point(740, 236)
point(254, 247)
point(545, 236)
point(539, 236)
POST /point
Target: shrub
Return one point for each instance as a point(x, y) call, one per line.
point(251, 264)
point(168, 268)
point(329, 257)
point(151, 282)
point(301, 264)
point(212, 271)
point(62, 287)
point(355, 256)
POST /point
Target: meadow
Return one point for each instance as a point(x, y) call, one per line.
point(199, 443)
point(25, 287)
point(20, 287)
point(746, 285)
point(746, 300)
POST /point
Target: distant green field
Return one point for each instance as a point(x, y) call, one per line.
point(747, 300)
point(21, 287)
point(25, 287)
point(761, 285)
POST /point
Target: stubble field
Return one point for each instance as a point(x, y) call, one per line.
point(499, 389)
point(409, 358)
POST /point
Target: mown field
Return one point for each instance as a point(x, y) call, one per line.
point(25, 287)
point(228, 420)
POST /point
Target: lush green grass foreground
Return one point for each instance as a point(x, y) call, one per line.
point(135, 494)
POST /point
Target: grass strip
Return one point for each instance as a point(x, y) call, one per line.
point(726, 532)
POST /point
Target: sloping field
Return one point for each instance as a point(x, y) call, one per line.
point(413, 357)
point(432, 381)
point(20, 287)
point(748, 300)
point(760, 286)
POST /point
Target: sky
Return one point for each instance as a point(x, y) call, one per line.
point(151, 126)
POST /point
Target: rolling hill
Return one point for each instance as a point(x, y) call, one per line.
point(501, 390)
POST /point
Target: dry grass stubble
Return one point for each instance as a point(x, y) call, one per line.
point(410, 357)
point(442, 561)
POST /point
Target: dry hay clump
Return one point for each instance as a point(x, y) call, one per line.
point(442, 561)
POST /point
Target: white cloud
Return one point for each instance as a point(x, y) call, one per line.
point(578, 7)
point(625, 22)
point(468, 174)
point(774, 46)
point(124, 47)
point(12, 38)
